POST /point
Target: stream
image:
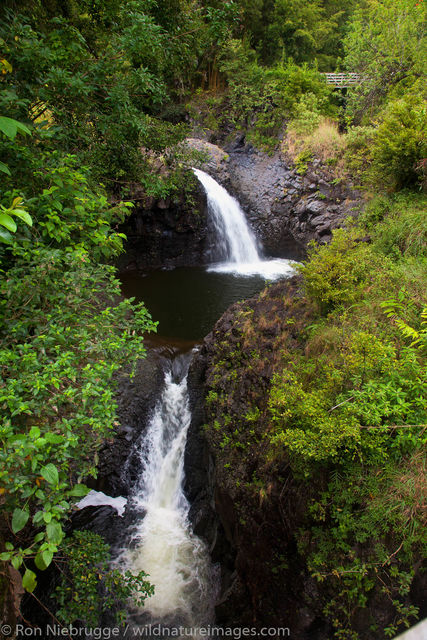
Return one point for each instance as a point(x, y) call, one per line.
point(186, 302)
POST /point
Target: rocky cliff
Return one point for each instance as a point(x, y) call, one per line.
point(168, 232)
point(286, 209)
point(264, 581)
point(264, 527)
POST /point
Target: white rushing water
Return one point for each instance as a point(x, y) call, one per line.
point(236, 243)
point(163, 544)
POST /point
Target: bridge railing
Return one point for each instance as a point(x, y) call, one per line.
point(343, 79)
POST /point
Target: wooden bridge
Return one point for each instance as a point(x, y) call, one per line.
point(343, 80)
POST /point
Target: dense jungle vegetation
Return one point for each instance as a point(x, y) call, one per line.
point(95, 96)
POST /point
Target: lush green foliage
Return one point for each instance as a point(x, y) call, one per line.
point(357, 399)
point(261, 100)
point(85, 568)
point(386, 43)
point(93, 94)
point(374, 536)
point(63, 85)
point(386, 149)
point(400, 142)
point(99, 78)
point(93, 83)
point(297, 30)
point(64, 333)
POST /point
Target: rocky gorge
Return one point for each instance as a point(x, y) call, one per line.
point(252, 513)
point(286, 209)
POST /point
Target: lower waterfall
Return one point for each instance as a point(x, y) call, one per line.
point(162, 543)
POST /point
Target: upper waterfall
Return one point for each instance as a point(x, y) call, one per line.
point(235, 240)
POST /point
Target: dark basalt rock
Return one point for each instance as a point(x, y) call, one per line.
point(166, 232)
point(250, 594)
point(118, 465)
point(282, 206)
point(103, 520)
point(207, 516)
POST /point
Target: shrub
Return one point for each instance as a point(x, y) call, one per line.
point(335, 274)
point(85, 571)
point(404, 231)
point(307, 117)
point(262, 99)
point(64, 334)
point(400, 143)
point(358, 149)
point(341, 404)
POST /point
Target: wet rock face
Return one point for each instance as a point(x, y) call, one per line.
point(118, 465)
point(286, 209)
point(217, 162)
point(165, 233)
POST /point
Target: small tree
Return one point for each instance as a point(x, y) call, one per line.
point(386, 43)
point(400, 143)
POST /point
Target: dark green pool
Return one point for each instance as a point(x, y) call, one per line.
point(187, 301)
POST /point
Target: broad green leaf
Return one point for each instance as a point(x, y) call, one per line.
point(11, 127)
point(50, 473)
point(23, 215)
point(47, 556)
point(54, 532)
point(34, 432)
point(79, 490)
point(53, 438)
point(38, 517)
point(5, 556)
point(43, 559)
point(19, 520)
point(39, 562)
point(5, 237)
point(8, 127)
point(29, 581)
point(16, 562)
point(5, 168)
point(8, 222)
